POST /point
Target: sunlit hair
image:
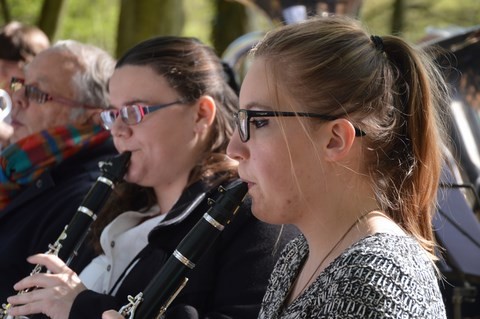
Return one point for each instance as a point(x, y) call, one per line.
point(95, 67)
point(395, 94)
point(193, 70)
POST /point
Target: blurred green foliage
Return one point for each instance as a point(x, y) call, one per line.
point(25, 11)
point(199, 17)
point(421, 16)
point(95, 21)
point(90, 21)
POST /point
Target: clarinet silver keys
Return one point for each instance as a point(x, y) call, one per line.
point(71, 238)
point(171, 278)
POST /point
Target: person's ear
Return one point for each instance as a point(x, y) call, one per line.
point(341, 135)
point(205, 116)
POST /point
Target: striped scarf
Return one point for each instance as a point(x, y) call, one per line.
point(23, 162)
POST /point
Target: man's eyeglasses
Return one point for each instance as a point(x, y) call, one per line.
point(243, 120)
point(131, 114)
point(35, 94)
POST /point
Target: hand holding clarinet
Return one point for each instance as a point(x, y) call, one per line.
point(59, 284)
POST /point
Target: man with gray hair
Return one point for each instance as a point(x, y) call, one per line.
point(53, 157)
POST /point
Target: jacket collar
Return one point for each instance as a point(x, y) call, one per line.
point(190, 199)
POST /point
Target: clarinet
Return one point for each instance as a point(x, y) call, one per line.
point(73, 235)
point(171, 278)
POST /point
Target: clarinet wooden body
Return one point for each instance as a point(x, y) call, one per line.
point(75, 232)
point(171, 278)
point(73, 235)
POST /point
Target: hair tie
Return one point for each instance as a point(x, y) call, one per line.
point(377, 42)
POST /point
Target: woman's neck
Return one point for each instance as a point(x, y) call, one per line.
point(169, 193)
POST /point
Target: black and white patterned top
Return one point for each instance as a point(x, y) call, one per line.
point(380, 276)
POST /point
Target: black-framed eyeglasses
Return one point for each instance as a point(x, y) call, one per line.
point(243, 120)
point(131, 114)
point(33, 93)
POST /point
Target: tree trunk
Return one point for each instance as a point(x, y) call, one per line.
point(50, 16)
point(230, 23)
point(398, 17)
point(5, 11)
point(143, 19)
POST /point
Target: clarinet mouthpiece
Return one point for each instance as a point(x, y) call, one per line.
point(116, 167)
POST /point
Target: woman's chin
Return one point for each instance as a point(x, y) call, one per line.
point(130, 178)
point(269, 215)
point(260, 212)
point(133, 178)
point(18, 134)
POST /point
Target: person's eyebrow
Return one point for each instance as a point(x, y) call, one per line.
point(137, 101)
point(256, 105)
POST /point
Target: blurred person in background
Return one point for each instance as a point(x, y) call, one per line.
point(55, 148)
point(19, 44)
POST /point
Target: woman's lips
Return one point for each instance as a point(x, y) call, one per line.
point(249, 184)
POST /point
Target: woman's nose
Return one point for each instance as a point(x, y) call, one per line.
point(236, 149)
point(120, 129)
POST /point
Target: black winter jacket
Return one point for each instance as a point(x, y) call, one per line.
point(37, 216)
point(229, 280)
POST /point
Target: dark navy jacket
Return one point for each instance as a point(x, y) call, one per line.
point(37, 216)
